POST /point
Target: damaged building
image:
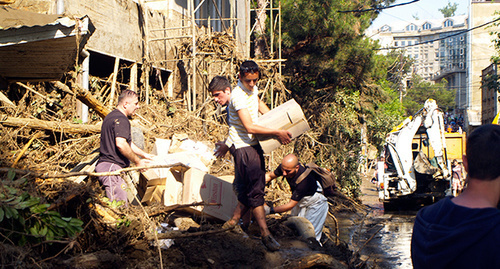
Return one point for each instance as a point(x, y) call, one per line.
point(141, 45)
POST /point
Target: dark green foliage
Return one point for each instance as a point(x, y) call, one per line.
point(25, 218)
point(332, 70)
point(421, 90)
point(449, 10)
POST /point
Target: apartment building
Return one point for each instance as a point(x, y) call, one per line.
point(438, 48)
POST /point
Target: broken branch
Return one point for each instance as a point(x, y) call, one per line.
point(49, 125)
point(37, 135)
point(94, 174)
point(179, 234)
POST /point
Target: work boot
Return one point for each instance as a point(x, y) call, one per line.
point(270, 243)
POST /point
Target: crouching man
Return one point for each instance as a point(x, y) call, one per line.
point(307, 200)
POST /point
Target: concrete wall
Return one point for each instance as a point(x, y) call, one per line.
point(119, 26)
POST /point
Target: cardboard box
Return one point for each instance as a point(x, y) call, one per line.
point(288, 116)
point(200, 186)
point(173, 190)
point(149, 178)
point(153, 194)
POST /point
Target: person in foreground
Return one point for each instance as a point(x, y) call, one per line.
point(117, 149)
point(464, 232)
point(243, 109)
point(307, 200)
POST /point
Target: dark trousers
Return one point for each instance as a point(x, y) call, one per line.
point(250, 179)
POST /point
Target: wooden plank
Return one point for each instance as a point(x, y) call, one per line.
point(113, 83)
point(4, 99)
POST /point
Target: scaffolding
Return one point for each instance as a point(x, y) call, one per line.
point(199, 70)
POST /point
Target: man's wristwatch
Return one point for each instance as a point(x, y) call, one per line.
point(271, 210)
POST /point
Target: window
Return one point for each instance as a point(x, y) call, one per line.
point(409, 43)
point(395, 43)
point(411, 27)
point(385, 28)
point(426, 26)
point(415, 56)
point(403, 43)
point(461, 51)
point(461, 65)
point(448, 23)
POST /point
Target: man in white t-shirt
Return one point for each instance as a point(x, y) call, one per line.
point(244, 106)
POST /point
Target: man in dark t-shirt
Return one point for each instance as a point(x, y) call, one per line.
point(307, 200)
point(117, 149)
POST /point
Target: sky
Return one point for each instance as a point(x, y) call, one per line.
point(424, 9)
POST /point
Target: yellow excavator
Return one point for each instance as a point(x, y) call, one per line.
point(410, 174)
point(495, 120)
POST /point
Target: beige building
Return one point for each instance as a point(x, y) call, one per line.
point(481, 50)
point(489, 95)
point(438, 48)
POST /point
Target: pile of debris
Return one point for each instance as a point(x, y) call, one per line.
point(47, 161)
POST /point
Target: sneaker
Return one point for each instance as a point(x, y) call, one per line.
point(270, 243)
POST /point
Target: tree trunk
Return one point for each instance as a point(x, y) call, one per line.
point(49, 125)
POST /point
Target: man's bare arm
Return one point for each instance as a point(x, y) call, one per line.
point(127, 151)
point(286, 207)
point(284, 136)
point(270, 176)
point(263, 108)
point(138, 151)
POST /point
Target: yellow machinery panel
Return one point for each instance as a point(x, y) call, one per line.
point(455, 145)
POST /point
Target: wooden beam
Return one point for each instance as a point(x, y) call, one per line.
point(113, 84)
point(133, 78)
point(4, 99)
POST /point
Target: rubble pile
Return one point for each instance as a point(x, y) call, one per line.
point(55, 213)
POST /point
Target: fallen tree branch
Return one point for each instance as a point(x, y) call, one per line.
point(23, 150)
point(42, 175)
point(49, 125)
point(166, 209)
point(179, 234)
point(39, 94)
point(86, 97)
point(337, 231)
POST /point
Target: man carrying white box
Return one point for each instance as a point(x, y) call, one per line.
point(243, 109)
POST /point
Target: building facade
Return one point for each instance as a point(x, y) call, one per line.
point(438, 48)
point(489, 94)
point(481, 50)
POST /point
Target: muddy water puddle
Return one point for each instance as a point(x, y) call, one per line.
point(381, 239)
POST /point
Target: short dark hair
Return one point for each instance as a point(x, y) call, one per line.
point(126, 94)
point(219, 83)
point(483, 152)
point(249, 67)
